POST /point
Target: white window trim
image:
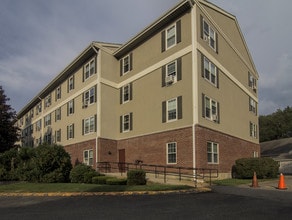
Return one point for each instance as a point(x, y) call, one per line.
point(176, 113)
point(86, 161)
point(91, 123)
point(123, 64)
point(123, 123)
point(70, 131)
point(210, 73)
point(212, 152)
point(167, 153)
point(86, 101)
point(207, 36)
point(71, 83)
point(166, 36)
point(173, 76)
point(90, 74)
point(253, 130)
point(123, 93)
point(213, 117)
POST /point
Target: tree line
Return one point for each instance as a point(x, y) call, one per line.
point(277, 125)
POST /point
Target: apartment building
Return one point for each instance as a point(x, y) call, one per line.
point(182, 92)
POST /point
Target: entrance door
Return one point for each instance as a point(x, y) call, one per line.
point(122, 160)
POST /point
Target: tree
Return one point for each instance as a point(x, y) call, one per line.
point(8, 129)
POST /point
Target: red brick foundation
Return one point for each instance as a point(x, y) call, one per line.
point(76, 151)
point(230, 149)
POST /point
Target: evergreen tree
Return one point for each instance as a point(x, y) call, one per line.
point(8, 129)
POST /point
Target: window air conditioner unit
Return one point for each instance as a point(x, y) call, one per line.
point(85, 104)
point(205, 38)
point(169, 79)
point(215, 117)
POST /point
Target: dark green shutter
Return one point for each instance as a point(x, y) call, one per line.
point(179, 69)
point(179, 107)
point(131, 121)
point(82, 126)
point(202, 26)
point(131, 61)
point(163, 112)
point(163, 76)
point(95, 122)
point(121, 95)
point(121, 67)
point(203, 105)
point(178, 31)
point(131, 91)
point(121, 124)
point(163, 41)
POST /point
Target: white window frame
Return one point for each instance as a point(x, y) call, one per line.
point(252, 106)
point(252, 82)
point(89, 125)
point(211, 109)
point(213, 152)
point(71, 107)
point(126, 61)
point(71, 131)
point(89, 69)
point(253, 130)
point(170, 36)
point(58, 114)
point(58, 135)
point(48, 101)
point(210, 71)
point(171, 149)
point(171, 72)
point(89, 96)
point(38, 126)
point(58, 93)
point(88, 157)
point(209, 35)
point(126, 93)
point(71, 83)
point(47, 120)
point(168, 110)
point(126, 122)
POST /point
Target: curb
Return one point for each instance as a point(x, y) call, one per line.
point(72, 194)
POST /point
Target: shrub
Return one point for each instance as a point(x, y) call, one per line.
point(100, 179)
point(82, 173)
point(116, 181)
point(244, 168)
point(136, 177)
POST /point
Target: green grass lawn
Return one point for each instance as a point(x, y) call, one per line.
point(22, 187)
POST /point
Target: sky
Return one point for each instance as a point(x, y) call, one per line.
point(39, 38)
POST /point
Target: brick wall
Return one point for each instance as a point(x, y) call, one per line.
point(76, 151)
point(230, 149)
point(151, 149)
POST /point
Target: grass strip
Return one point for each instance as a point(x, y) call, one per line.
point(22, 187)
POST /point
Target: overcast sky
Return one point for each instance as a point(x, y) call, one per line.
point(39, 38)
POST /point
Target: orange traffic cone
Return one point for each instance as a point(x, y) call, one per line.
point(281, 184)
point(254, 180)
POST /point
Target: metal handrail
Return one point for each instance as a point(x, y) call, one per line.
point(189, 172)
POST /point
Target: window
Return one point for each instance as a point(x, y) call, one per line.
point(89, 125)
point(171, 36)
point(89, 69)
point(252, 82)
point(38, 125)
point(70, 131)
point(208, 34)
point(255, 154)
point(171, 153)
point(126, 64)
point(172, 109)
point(70, 83)
point(58, 135)
point(58, 114)
point(58, 93)
point(126, 122)
point(47, 120)
point(89, 97)
point(253, 130)
point(252, 106)
point(171, 72)
point(126, 93)
point(48, 101)
point(210, 109)
point(70, 107)
point(212, 152)
point(38, 108)
point(88, 157)
point(210, 72)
